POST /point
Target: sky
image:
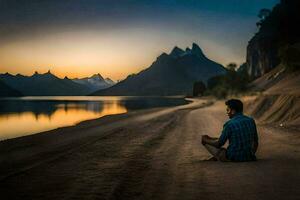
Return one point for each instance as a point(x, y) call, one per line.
point(79, 38)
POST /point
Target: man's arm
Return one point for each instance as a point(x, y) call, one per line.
point(224, 135)
point(210, 140)
point(217, 142)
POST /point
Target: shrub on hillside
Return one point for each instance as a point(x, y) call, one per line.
point(233, 82)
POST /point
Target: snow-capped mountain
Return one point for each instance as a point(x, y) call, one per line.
point(95, 82)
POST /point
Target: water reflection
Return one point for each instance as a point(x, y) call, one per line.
point(36, 117)
point(28, 115)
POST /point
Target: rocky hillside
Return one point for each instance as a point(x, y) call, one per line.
point(273, 58)
point(170, 74)
point(279, 100)
point(278, 33)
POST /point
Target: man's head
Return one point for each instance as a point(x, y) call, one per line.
point(234, 106)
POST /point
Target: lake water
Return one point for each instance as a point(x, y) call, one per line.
point(29, 115)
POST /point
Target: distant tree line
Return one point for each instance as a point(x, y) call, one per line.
point(199, 89)
point(233, 82)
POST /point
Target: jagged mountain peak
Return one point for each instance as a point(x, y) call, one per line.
point(179, 53)
point(194, 45)
point(97, 76)
point(196, 50)
point(47, 75)
point(109, 81)
point(18, 75)
point(163, 55)
point(176, 52)
point(7, 75)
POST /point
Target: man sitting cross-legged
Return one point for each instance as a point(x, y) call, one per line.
point(241, 132)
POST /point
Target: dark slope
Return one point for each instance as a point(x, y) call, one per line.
point(6, 91)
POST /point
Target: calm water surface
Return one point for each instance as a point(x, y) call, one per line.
point(29, 115)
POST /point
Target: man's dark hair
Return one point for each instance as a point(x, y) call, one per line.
point(235, 104)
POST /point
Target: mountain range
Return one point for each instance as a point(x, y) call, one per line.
point(170, 74)
point(48, 84)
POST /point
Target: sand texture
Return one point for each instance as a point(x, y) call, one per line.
point(153, 154)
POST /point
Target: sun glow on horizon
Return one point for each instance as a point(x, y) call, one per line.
point(76, 54)
point(84, 53)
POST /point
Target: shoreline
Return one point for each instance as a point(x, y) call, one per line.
point(107, 119)
point(19, 134)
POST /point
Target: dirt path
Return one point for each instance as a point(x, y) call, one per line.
point(156, 156)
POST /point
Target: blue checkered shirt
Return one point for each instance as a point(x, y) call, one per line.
point(241, 133)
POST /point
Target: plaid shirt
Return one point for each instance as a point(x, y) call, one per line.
point(241, 133)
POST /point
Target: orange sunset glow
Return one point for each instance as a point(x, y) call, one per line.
point(83, 54)
point(79, 54)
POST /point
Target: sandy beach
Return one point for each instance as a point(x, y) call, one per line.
point(150, 154)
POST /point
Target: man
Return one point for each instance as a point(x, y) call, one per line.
point(241, 132)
